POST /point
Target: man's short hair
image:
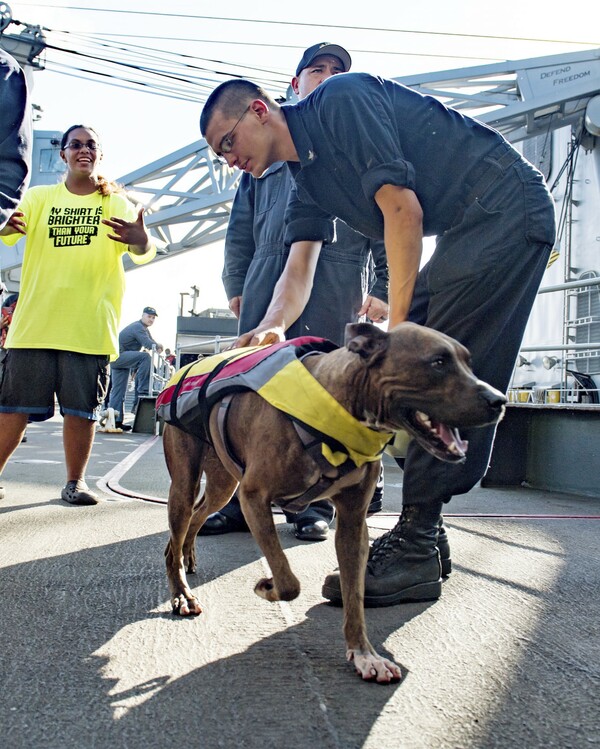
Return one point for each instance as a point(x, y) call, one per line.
point(230, 97)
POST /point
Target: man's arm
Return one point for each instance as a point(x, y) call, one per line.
point(239, 243)
point(15, 137)
point(140, 333)
point(290, 296)
point(403, 237)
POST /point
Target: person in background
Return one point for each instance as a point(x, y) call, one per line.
point(399, 165)
point(170, 357)
point(164, 370)
point(343, 290)
point(9, 304)
point(64, 330)
point(135, 345)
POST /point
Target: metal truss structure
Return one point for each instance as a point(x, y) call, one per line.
point(188, 196)
point(188, 193)
point(523, 98)
point(189, 190)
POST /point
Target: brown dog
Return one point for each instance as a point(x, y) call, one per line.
point(412, 378)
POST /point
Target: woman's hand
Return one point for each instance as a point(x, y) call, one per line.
point(15, 224)
point(132, 233)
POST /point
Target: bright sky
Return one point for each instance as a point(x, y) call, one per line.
point(262, 41)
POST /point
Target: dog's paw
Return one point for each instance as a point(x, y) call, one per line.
point(372, 667)
point(266, 589)
point(287, 588)
point(183, 606)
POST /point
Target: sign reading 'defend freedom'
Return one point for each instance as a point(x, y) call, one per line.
point(559, 79)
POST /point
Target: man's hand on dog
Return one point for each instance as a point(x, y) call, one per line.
point(260, 336)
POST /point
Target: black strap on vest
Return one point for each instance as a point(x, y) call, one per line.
point(204, 405)
point(173, 405)
point(312, 445)
point(223, 410)
point(205, 408)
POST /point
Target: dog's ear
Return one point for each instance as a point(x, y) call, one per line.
point(366, 340)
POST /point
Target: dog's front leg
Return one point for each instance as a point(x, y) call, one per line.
point(352, 548)
point(256, 506)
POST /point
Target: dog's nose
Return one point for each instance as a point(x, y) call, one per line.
point(494, 397)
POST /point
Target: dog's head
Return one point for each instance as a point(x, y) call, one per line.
point(421, 380)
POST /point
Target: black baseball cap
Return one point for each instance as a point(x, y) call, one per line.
point(324, 48)
point(150, 311)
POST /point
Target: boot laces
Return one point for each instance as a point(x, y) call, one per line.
point(391, 542)
point(386, 545)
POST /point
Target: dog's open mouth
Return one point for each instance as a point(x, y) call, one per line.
point(440, 440)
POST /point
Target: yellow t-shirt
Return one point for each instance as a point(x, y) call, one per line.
point(72, 280)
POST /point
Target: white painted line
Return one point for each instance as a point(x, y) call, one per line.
point(109, 483)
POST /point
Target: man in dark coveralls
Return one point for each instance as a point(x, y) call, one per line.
point(397, 165)
point(342, 291)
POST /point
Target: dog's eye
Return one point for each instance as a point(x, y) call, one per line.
point(440, 361)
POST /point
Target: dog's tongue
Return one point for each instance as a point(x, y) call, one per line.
point(452, 439)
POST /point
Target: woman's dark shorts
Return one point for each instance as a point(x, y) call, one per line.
point(31, 378)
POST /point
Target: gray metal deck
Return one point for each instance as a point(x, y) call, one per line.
point(92, 657)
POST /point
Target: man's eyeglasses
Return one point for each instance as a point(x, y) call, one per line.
point(77, 146)
point(226, 143)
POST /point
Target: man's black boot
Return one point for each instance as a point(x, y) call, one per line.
point(404, 563)
point(442, 544)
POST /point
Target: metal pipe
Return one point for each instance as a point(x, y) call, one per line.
point(206, 342)
point(216, 342)
point(563, 347)
point(570, 285)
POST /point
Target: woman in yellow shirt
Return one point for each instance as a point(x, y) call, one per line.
point(65, 328)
